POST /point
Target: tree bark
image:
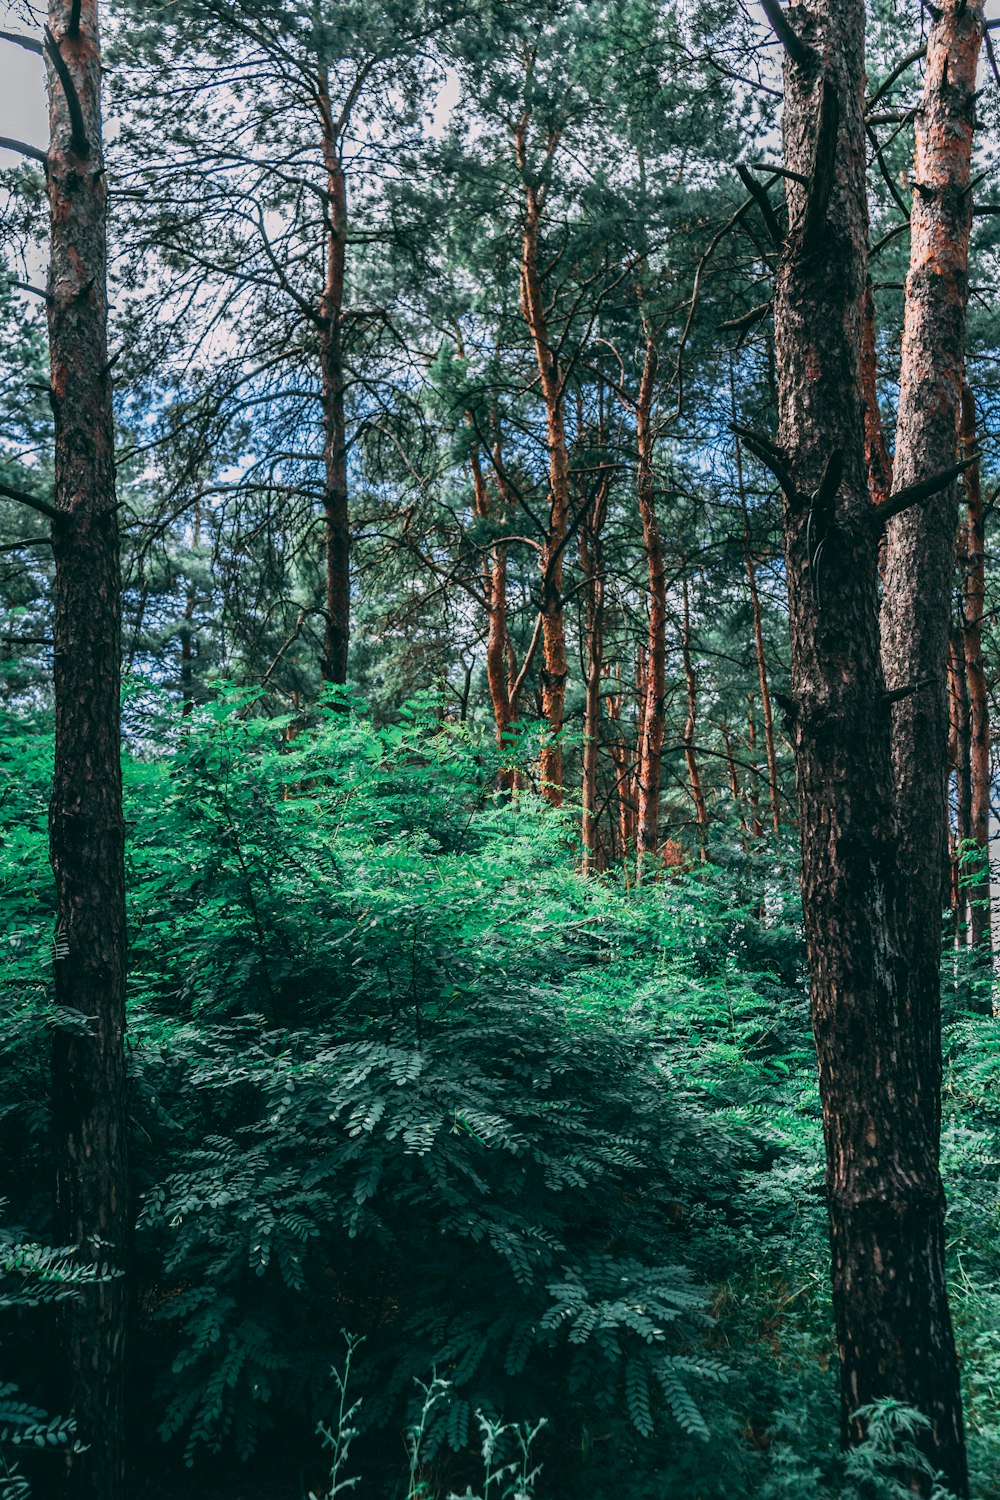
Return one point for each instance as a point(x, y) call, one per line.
point(877, 455)
point(652, 708)
point(973, 607)
point(960, 758)
point(920, 551)
point(883, 1187)
point(694, 775)
point(767, 712)
point(554, 665)
point(336, 519)
point(86, 830)
point(590, 558)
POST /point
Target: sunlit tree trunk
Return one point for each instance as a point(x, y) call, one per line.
point(878, 1079)
point(920, 552)
point(85, 823)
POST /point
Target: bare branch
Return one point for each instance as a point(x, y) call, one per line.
point(824, 164)
point(915, 494)
point(29, 43)
point(763, 202)
point(33, 502)
point(35, 153)
point(802, 55)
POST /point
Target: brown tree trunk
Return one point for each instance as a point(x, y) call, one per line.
point(877, 455)
point(592, 568)
point(554, 665)
point(622, 758)
point(974, 604)
point(883, 1187)
point(774, 796)
point(498, 673)
point(960, 758)
point(652, 715)
point(86, 830)
point(756, 823)
point(694, 775)
point(336, 520)
point(920, 551)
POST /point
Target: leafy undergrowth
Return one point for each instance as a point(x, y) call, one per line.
point(398, 1068)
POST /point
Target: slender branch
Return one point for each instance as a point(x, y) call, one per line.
point(34, 502)
point(78, 130)
point(894, 76)
point(73, 29)
point(528, 659)
point(915, 494)
point(763, 202)
point(8, 143)
point(772, 457)
point(26, 286)
point(28, 541)
point(747, 320)
point(802, 55)
point(772, 166)
point(29, 43)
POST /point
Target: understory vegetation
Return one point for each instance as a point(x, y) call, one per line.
point(545, 1147)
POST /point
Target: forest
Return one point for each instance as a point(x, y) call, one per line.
point(500, 575)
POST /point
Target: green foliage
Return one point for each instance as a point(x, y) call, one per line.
point(396, 1065)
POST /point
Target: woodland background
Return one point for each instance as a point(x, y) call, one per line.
point(468, 1007)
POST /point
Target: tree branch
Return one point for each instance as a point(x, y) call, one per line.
point(915, 494)
point(78, 130)
point(34, 502)
point(29, 43)
point(8, 143)
point(763, 202)
point(823, 167)
point(802, 55)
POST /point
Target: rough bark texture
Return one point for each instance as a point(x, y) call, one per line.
point(883, 1188)
point(652, 717)
point(920, 552)
point(85, 824)
point(973, 606)
point(336, 530)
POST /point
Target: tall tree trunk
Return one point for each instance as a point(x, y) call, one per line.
point(336, 520)
point(767, 712)
point(960, 758)
point(86, 830)
point(883, 1187)
point(974, 604)
point(501, 666)
point(554, 666)
point(756, 823)
point(694, 775)
point(877, 455)
point(920, 552)
point(652, 716)
point(590, 558)
point(622, 758)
